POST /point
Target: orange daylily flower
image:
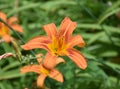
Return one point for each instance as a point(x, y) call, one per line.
point(43, 69)
point(60, 42)
point(4, 30)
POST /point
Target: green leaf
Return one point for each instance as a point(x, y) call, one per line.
point(11, 65)
point(99, 27)
point(107, 15)
point(2, 51)
point(95, 37)
point(53, 4)
point(10, 74)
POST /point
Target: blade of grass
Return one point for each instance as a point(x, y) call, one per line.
point(102, 18)
point(114, 5)
point(10, 74)
point(99, 27)
point(12, 65)
point(25, 7)
point(43, 6)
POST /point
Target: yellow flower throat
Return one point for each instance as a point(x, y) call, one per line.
point(58, 46)
point(3, 30)
point(44, 71)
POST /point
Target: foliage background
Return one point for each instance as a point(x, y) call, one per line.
point(98, 21)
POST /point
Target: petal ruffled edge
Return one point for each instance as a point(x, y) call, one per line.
point(77, 58)
point(37, 42)
point(76, 40)
point(59, 60)
point(67, 27)
point(56, 75)
point(17, 28)
point(50, 29)
point(31, 68)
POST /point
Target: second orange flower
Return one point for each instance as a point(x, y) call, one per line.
point(4, 30)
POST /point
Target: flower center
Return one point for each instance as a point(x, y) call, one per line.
point(58, 46)
point(44, 70)
point(3, 30)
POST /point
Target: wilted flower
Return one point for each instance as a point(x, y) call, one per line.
point(6, 55)
point(60, 42)
point(4, 30)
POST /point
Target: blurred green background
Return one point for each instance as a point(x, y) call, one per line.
point(98, 22)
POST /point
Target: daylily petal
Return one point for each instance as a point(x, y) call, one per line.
point(3, 16)
point(4, 33)
point(12, 20)
point(17, 28)
point(55, 74)
point(77, 57)
point(31, 68)
point(3, 29)
point(59, 60)
point(50, 29)
point(6, 38)
point(67, 27)
point(40, 80)
point(39, 59)
point(64, 24)
point(1, 25)
point(50, 61)
point(70, 29)
point(76, 40)
point(37, 42)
